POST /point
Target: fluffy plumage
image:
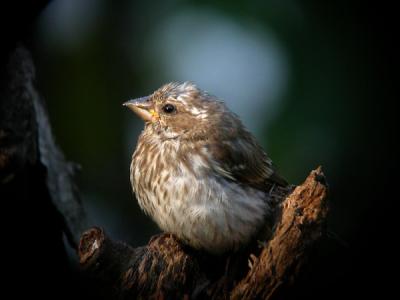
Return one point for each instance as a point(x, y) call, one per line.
point(198, 172)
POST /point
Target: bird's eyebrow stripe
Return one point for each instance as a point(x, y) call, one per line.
point(182, 98)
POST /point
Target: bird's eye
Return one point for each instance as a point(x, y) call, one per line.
point(168, 108)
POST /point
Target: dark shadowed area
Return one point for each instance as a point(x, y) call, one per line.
point(312, 80)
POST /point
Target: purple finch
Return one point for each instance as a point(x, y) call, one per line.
point(198, 172)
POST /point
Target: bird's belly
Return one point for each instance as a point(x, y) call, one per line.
point(204, 210)
point(209, 213)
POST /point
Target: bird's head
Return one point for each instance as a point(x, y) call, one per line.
point(178, 109)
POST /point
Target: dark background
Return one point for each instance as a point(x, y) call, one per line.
point(313, 80)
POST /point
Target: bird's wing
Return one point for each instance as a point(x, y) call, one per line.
point(237, 156)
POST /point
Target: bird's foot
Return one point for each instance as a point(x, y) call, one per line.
point(252, 261)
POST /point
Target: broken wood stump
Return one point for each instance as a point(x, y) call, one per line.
point(167, 269)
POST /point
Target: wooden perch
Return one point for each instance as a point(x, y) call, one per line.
point(166, 269)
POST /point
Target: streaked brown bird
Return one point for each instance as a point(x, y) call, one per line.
point(198, 172)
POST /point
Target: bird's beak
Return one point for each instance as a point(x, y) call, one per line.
point(143, 108)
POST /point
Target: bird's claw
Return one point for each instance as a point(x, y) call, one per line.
point(252, 260)
point(272, 189)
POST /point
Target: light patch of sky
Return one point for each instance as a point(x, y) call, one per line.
point(65, 24)
point(244, 64)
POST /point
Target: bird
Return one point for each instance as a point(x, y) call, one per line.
point(198, 172)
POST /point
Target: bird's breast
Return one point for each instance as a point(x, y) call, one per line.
point(183, 195)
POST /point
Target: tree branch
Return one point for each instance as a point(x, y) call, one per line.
point(26, 141)
point(303, 216)
point(40, 201)
point(167, 269)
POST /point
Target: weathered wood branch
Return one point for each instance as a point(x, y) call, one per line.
point(40, 201)
point(27, 145)
point(302, 222)
point(166, 269)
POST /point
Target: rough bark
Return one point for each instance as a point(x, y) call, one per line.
point(27, 145)
point(302, 222)
point(40, 201)
point(166, 269)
